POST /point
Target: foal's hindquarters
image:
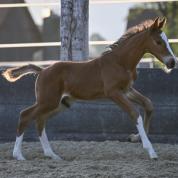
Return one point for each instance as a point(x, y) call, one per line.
point(49, 100)
point(55, 89)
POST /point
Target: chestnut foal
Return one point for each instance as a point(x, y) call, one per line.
point(109, 76)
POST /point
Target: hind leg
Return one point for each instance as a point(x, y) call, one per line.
point(32, 113)
point(17, 151)
point(25, 117)
point(40, 114)
point(40, 124)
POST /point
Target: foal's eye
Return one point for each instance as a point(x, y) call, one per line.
point(158, 42)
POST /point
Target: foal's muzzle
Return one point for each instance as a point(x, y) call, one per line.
point(170, 63)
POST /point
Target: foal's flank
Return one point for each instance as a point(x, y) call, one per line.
point(109, 76)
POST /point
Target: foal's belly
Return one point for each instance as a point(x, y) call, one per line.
point(86, 92)
point(87, 89)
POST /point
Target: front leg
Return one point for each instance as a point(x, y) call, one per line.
point(121, 99)
point(136, 97)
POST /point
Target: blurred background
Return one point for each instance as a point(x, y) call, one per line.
point(107, 22)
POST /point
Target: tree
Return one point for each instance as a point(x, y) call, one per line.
point(170, 11)
point(74, 30)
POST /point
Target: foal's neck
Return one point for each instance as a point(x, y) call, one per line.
point(133, 51)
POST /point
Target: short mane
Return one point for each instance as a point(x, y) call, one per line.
point(130, 33)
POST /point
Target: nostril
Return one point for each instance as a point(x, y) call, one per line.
point(173, 63)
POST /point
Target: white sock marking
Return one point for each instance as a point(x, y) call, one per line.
point(46, 146)
point(17, 152)
point(145, 141)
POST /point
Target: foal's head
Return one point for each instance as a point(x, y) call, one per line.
point(157, 43)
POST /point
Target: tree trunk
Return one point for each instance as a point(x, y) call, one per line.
point(74, 30)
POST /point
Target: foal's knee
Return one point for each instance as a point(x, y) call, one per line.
point(148, 105)
point(134, 115)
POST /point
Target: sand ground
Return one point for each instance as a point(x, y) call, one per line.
point(109, 159)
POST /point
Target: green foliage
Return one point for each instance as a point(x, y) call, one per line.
point(135, 13)
point(167, 9)
point(158, 64)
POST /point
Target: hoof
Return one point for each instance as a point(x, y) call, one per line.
point(56, 157)
point(155, 159)
point(154, 156)
point(19, 157)
point(53, 156)
point(134, 138)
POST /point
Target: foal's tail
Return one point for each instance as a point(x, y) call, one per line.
point(16, 73)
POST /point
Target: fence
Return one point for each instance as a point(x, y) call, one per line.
point(92, 120)
point(50, 44)
point(95, 120)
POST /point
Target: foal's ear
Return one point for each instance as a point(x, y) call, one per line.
point(162, 22)
point(158, 23)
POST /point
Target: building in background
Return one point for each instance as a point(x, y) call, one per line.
point(17, 26)
point(138, 15)
point(51, 33)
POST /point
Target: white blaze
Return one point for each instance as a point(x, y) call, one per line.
point(164, 37)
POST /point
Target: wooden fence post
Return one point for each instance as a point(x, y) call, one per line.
point(65, 29)
point(74, 30)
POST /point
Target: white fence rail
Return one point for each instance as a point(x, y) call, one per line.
point(14, 5)
point(50, 44)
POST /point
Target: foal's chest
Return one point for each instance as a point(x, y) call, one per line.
point(127, 81)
